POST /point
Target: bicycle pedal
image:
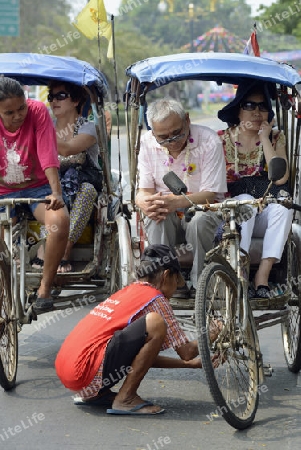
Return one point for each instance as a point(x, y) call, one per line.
point(268, 370)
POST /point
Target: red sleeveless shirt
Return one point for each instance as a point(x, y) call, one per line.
point(83, 350)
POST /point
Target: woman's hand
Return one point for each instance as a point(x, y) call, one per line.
point(56, 202)
point(265, 129)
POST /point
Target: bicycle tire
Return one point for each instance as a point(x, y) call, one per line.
point(116, 269)
point(234, 382)
point(291, 327)
point(8, 325)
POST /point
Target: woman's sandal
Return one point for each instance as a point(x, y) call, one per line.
point(37, 263)
point(65, 263)
point(263, 292)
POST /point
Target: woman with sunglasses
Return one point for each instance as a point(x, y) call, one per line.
point(77, 146)
point(249, 144)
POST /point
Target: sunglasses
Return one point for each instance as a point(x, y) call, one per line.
point(170, 140)
point(58, 96)
point(251, 106)
point(176, 138)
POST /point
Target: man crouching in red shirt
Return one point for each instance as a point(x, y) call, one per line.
point(122, 337)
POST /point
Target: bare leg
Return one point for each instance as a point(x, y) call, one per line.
point(66, 268)
point(127, 397)
point(263, 272)
point(57, 225)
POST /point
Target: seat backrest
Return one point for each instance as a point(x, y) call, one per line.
point(255, 251)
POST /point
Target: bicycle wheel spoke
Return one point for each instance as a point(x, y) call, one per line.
point(291, 326)
point(8, 334)
point(228, 352)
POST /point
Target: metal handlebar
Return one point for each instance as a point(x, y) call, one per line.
point(27, 201)
point(232, 203)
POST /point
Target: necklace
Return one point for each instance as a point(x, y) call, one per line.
point(188, 169)
point(251, 160)
point(72, 128)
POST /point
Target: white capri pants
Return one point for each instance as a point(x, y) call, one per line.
point(273, 224)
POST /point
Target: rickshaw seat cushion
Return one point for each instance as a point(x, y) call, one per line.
point(255, 250)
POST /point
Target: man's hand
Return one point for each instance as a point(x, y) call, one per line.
point(56, 202)
point(153, 206)
point(157, 206)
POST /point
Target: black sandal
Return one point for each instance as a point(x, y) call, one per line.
point(263, 292)
point(64, 263)
point(37, 262)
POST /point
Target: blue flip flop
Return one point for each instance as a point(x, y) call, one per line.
point(135, 410)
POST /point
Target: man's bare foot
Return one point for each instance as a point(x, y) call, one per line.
point(135, 405)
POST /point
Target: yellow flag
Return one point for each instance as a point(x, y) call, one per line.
point(42, 94)
point(92, 22)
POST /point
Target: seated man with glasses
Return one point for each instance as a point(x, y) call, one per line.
point(249, 142)
point(195, 154)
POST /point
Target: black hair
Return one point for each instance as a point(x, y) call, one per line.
point(10, 88)
point(230, 112)
point(154, 265)
point(77, 93)
point(150, 271)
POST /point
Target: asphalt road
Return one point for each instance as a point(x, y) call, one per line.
point(39, 413)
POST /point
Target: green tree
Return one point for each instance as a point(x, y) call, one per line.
point(281, 18)
point(179, 27)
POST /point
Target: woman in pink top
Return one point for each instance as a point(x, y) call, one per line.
point(29, 168)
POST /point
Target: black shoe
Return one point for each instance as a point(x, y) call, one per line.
point(182, 292)
point(192, 292)
point(43, 304)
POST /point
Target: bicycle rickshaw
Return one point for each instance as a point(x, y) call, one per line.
point(102, 264)
point(222, 287)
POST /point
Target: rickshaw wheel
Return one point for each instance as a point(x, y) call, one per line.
point(291, 327)
point(228, 353)
point(116, 279)
point(8, 330)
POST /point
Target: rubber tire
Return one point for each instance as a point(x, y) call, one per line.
point(8, 328)
point(237, 360)
point(291, 328)
point(116, 279)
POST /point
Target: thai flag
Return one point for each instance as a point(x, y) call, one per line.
point(252, 47)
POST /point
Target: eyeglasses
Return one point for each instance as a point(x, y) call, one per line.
point(58, 96)
point(176, 138)
point(251, 106)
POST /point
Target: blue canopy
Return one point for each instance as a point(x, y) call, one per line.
point(220, 67)
point(38, 69)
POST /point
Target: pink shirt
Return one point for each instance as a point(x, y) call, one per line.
point(26, 153)
point(201, 167)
